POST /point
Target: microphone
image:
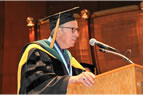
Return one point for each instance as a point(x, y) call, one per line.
point(93, 42)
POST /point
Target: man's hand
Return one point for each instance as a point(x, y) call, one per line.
point(87, 78)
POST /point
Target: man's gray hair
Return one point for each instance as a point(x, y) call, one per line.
point(52, 33)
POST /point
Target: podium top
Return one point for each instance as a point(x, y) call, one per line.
point(118, 69)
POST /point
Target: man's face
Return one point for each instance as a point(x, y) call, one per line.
point(68, 34)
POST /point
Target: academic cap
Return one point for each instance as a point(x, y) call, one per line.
point(58, 19)
point(65, 17)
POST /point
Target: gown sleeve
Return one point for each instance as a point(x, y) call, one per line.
point(39, 76)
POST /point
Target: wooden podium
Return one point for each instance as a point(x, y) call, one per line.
point(124, 80)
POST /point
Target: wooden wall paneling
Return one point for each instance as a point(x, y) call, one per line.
point(139, 27)
point(15, 37)
point(44, 30)
point(119, 31)
point(2, 17)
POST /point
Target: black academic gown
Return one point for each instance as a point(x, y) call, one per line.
point(42, 73)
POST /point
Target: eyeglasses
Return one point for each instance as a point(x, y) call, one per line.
point(73, 29)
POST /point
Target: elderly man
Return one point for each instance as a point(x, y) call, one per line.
point(47, 70)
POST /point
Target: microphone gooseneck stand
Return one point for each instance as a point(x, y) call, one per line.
point(116, 53)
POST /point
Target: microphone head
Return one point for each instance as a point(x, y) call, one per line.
point(92, 41)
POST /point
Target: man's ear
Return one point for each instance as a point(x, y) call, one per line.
point(59, 32)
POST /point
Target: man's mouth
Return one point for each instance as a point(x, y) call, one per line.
point(74, 40)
